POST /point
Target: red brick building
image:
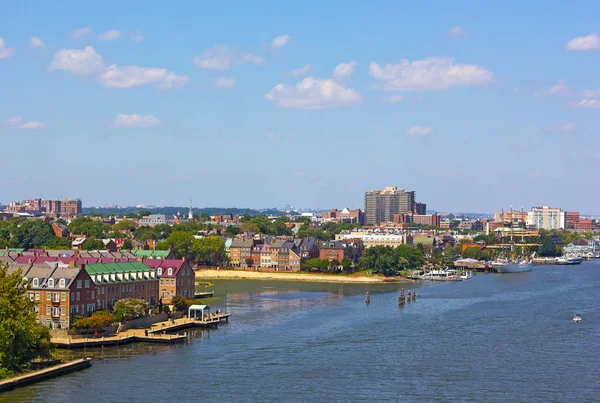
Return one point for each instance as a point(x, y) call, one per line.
point(176, 277)
point(571, 219)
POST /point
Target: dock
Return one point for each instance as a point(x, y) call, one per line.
point(155, 334)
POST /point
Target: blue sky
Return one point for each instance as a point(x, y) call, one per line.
point(474, 105)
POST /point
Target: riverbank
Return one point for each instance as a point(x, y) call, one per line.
point(211, 274)
point(44, 374)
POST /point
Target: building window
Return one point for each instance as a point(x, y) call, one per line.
point(72, 296)
point(61, 283)
point(78, 283)
point(170, 271)
point(87, 283)
point(50, 282)
point(92, 294)
point(36, 282)
point(63, 311)
point(63, 296)
point(78, 296)
point(48, 310)
point(164, 293)
point(48, 296)
point(37, 296)
point(159, 271)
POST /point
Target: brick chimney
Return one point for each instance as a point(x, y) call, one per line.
point(72, 264)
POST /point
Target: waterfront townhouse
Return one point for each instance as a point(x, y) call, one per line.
point(115, 281)
point(265, 256)
point(283, 255)
point(61, 291)
point(332, 250)
point(295, 259)
point(175, 276)
point(240, 250)
point(309, 247)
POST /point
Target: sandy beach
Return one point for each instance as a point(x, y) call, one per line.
point(307, 277)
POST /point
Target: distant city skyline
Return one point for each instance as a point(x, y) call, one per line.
point(474, 105)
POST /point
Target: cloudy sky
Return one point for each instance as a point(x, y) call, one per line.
point(474, 105)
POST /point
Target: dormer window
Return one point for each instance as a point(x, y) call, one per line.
point(170, 271)
point(61, 283)
point(36, 282)
point(159, 271)
point(50, 282)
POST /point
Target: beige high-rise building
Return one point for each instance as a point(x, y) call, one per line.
point(546, 218)
point(381, 205)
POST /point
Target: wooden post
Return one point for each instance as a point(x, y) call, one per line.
point(367, 299)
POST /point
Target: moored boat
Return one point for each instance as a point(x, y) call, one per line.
point(564, 260)
point(577, 318)
point(509, 266)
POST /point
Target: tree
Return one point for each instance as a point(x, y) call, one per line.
point(180, 244)
point(249, 262)
point(130, 308)
point(92, 244)
point(231, 231)
point(143, 213)
point(94, 322)
point(209, 251)
point(33, 234)
point(21, 338)
point(125, 225)
point(128, 244)
point(89, 227)
point(179, 303)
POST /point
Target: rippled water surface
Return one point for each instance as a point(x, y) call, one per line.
point(497, 337)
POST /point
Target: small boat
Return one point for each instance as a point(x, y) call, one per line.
point(465, 275)
point(203, 294)
point(564, 260)
point(577, 318)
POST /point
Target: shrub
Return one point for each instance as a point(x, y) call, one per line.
point(130, 308)
point(94, 322)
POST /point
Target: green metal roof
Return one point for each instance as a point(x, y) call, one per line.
point(150, 253)
point(2, 253)
point(121, 267)
point(16, 249)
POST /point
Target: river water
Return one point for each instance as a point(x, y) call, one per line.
point(497, 337)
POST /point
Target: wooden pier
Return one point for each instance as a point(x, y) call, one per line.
point(156, 334)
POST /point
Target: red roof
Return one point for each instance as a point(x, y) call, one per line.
point(174, 264)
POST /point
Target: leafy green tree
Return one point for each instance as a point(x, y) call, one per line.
point(143, 213)
point(145, 233)
point(89, 227)
point(128, 244)
point(316, 264)
point(209, 251)
point(33, 234)
point(249, 262)
point(94, 322)
point(231, 231)
point(58, 243)
point(130, 308)
point(21, 338)
point(179, 303)
point(92, 243)
point(125, 226)
point(180, 244)
point(162, 231)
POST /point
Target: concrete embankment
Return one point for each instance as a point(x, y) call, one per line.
point(44, 374)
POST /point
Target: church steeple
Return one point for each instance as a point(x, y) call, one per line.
point(190, 214)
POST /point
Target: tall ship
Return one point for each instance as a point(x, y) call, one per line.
point(513, 263)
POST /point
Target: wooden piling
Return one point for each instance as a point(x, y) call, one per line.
point(367, 299)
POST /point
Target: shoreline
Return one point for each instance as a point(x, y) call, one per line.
point(41, 375)
point(227, 274)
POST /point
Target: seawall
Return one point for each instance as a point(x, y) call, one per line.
point(44, 374)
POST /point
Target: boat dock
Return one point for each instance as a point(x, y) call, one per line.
point(157, 333)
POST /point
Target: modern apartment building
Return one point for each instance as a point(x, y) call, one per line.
point(420, 209)
point(547, 218)
point(381, 205)
point(70, 206)
point(571, 219)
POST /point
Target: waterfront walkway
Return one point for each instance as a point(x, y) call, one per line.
point(155, 334)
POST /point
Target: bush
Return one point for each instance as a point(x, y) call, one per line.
point(94, 322)
point(179, 303)
point(130, 308)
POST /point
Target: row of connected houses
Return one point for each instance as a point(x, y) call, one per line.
point(65, 287)
point(287, 253)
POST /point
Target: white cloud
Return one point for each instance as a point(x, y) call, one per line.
point(392, 99)
point(138, 37)
point(17, 123)
point(457, 32)
point(132, 76)
point(312, 93)
point(299, 71)
point(5, 52)
point(221, 57)
point(586, 104)
point(250, 58)
point(273, 136)
point(36, 42)
point(81, 33)
point(569, 127)
point(419, 130)
point(280, 41)
point(343, 71)
point(80, 62)
point(135, 120)
point(558, 89)
point(218, 57)
point(224, 82)
point(581, 43)
point(434, 73)
point(110, 35)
